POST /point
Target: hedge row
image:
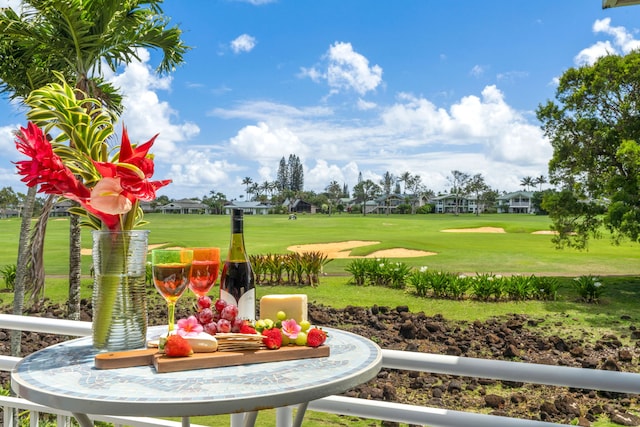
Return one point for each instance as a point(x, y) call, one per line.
point(484, 286)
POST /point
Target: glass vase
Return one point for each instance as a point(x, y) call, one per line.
point(119, 289)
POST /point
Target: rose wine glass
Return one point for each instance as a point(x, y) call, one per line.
point(171, 268)
point(204, 270)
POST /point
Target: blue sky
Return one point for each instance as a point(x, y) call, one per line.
point(355, 86)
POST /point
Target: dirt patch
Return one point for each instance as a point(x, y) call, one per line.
point(343, 250)
point(515, 337)
point(475, 230)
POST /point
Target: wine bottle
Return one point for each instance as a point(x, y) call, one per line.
point(237, 282)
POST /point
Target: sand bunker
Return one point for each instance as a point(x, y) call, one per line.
point(475, 230)
point(343, 250)
point(338, 250)
point(545, 232)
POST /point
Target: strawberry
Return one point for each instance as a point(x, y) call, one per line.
point(272, 338)
point(316, 337)
point(246, 328)
point(177, 346)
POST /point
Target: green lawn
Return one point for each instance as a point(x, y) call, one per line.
point(517, 251)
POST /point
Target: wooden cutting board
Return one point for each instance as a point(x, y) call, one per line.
point(162, 363)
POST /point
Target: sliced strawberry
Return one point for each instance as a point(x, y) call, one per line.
point(272, 338)
point(247, 329)
point(316, 337)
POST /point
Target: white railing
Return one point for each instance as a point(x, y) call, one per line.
point(621, 382)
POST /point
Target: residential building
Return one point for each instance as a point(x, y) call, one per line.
point(184, 206)
point(516, 202)
point(452, 203)
point(299, 206)
point(249, 208)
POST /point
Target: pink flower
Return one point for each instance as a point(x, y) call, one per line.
point(189, 327)
point(290, 328)
point(107, 197)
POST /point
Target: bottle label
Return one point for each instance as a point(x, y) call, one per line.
point(246, 305)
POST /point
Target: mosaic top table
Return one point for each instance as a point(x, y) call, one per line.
point(63, 376)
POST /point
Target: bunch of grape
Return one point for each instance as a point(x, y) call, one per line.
point(218, 317)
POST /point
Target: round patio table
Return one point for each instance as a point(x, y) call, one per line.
point(63, 376)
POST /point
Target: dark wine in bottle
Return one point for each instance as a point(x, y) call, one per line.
point(237, 283)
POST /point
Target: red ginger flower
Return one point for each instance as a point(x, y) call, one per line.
point(46, 167)
point(120, 185)
point(134, 168)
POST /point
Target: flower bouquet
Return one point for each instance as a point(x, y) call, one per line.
point(108, 185)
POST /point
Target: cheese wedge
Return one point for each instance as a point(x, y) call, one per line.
point(203, 343)
point(294, 305)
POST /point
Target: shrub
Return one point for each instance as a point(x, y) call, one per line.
point(8, 273)
point(419, 279)
point(358, 269)
point(438, 284)
point(457, 286)
point(300, 269)
point(519, 287)
point(546, 288)
point(486, 286)
point(378, 272)
point(589, 288)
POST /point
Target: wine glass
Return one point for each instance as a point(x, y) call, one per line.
point(204, 270)
point(171, 268)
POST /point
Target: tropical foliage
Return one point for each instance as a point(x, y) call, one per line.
point(594, 129)
point(289, 269)
point(442, 284)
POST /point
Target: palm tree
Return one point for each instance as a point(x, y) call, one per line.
point(540, 180)
point(405, 177)
point(74, 38)
point(247, 181)
point(386, 182)
point(527, 182)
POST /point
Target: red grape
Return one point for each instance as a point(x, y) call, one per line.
point(220, 305)
point(230, 312)
point(205, 316)
point(224, 326)
point(204, 302)
point(211, 328)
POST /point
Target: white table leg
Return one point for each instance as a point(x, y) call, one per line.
point(283, 416)
point(237, 420)
point(250, 419)
point(302, 408)
point(83, 419)
point(186, 421)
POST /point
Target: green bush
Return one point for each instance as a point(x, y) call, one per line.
point(546, 288)
point(378, 272)
point(589, 288)
point(8, 273)
point(299, 269)
point(482, 286)
point(487, 286)
point(520, 288)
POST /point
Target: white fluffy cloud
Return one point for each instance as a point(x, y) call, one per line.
point(145, 114)
point(623, 43)
point(243, 43)
point(476, 134)
point(266, 144)
point(346, 70)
